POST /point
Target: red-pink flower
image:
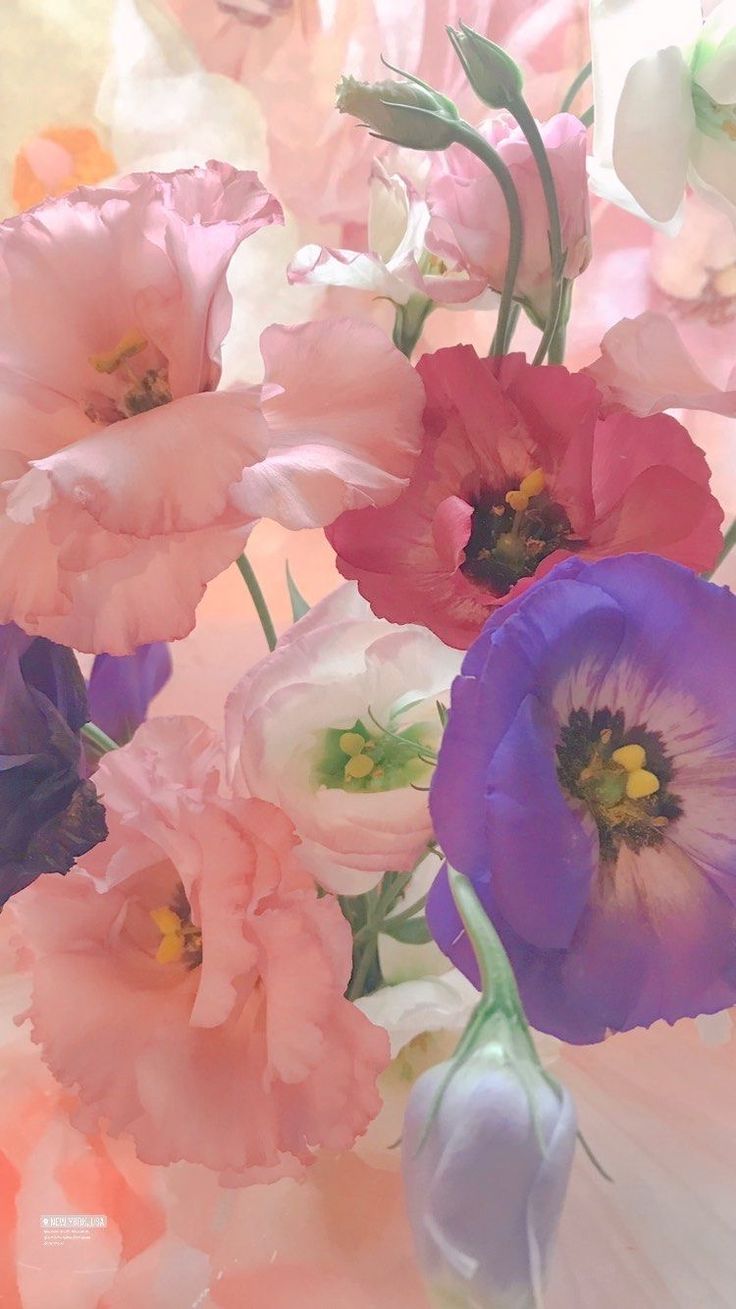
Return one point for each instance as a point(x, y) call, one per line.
point(470, 223)
point(127, 479)
point(190, 984)
point(520, 469)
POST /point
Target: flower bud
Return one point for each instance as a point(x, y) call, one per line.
point(485, 1174)
point(487, 1147)
point(406, 113)
point(493, 75)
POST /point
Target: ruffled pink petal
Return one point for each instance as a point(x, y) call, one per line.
point(645, 368)
point(345, 423)
point(165, 471)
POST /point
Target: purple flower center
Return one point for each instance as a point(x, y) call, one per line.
point(506, 544)
point(597, 763)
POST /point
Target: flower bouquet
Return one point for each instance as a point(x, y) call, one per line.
point(368, 729)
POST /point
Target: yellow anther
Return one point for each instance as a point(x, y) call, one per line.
point(641, 783)
point(166, 920)
point(518, 501)
point(631, 757)
point(171, 949)
point(171, 945)
point(109, 362)
point(361, 765)
point(533, 484)
point(352, 743)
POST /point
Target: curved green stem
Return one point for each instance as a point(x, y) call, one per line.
point(98, 739)
point(259, 600)
point(527, 123)
point(576, 86)
point(467, 136)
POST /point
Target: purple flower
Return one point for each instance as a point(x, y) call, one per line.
point(587, 786)
point(121, 687)
point(49, 815)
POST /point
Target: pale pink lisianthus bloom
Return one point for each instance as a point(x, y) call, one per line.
point(396, 264)
point(122, 488)
point(190, 982)
point(470, 223)
point(645, 368)
point(520, 468)
point(313, 728)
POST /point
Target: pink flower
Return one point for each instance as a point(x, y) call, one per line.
point(122, 489)
point(469, 218)
point(313, 729)
point(645, 368)
point(190, 984)
point(519, 469)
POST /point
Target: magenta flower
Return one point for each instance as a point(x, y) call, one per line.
point(519, 467)
point(585, 784)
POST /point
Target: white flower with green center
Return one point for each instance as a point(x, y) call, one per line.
point(665, 103)
point(339, 726)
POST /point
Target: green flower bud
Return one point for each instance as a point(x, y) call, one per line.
point(493, 75)
point(407, 113)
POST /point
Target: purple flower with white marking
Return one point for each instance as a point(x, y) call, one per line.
point(49, 814)
point(586, 785)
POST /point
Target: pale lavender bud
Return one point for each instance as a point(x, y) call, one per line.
point(486, 1168)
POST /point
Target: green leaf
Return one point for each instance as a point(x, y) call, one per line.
point(441, 712)
point(299, 606)
point(412, 931)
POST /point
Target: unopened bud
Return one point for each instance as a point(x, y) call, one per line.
point(493, 75)
point(406, 113)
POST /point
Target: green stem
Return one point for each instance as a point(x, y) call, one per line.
point(98, 739)
point(363, 968)
point(557, 340)
point(588, 117)
point(406, 915)
point(576, 86)
point(467, 136)
point(527, 123)
point(510, 328)
point(729, 541)
point(259, 600)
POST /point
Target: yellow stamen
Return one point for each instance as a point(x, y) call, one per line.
point(641, 783)
point(352, 743)
point(131, 344)
point(630, 757)
point(361, 765)
point(171, 945)
point(170, 950)
point(533, 484)
point(518, 501)
point(166, 920)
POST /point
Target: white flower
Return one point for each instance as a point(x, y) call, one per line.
point(665, 102)
point(397, 264)
point(337, 727)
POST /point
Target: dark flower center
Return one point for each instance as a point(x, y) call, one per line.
point(509, 538)
point(622, 774)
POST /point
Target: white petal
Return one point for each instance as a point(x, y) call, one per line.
point(653, 131)
point(713, 170)
point(716, 56)
point(622, 32)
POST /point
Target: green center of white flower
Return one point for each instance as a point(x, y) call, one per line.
point(713, 119)
point(356, 758)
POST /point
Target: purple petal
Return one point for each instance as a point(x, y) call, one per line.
point(121, 687)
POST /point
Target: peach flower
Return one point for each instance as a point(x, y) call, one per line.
point(314, 728)
point(190, 983)
point(122, 464)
